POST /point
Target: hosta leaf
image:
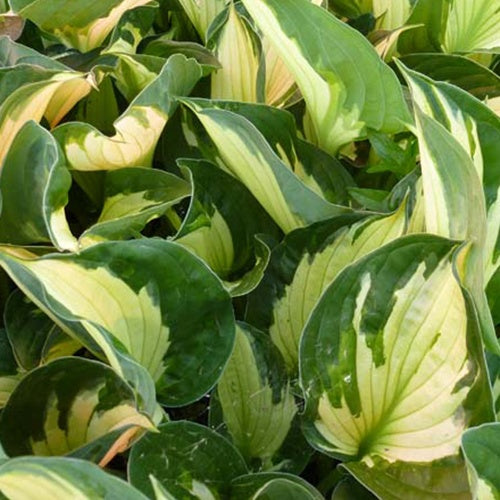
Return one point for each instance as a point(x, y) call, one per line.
point(452, 172)
point(280, 83)
point(29, 93)
point(54, 477)
point(441, 480)
point(391, 359)
point(319, 171)
point(273, 486)
point(182, 338)
point(201, 14)
point(349, 489)
point(351, 8)
point(237, 48)
point(137, 130)
point(12, 54)
point(187, 459)
point(324, 55)
point(34, 187)
point(100, 108)
point(392, 14)
point(430, 16)
point(481, 447)
point(34, 337)
point(133, 26)
point(458, 70)
point(133, 73)
point(472, 26)
point(164, 47)
point(304, 265)
point(494, 370)
point(257, 404)
point(493, 294)
point(478, 129)
point(9, 375)
point(218, 231)
point(133, 197)
point(247, 155)
point(67, 404)
point(84, 26)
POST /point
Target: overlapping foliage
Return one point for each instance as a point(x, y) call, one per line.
point(250, 249)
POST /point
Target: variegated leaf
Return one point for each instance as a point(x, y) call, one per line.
point(134, 197)
point(83, 26)
point(202, 13)
point(455, 173)
point(247, 155)
point(34, 337)
point(34, 187)
point(394, 481)
point(237, 48)
point(54, 477)
point(391, 359)
point(273, 485)
point(324, 55)
point(187, 459)
point(472, 26)
point(222, 227)
point(481, 447)
point(257, 404)
point(151, 298)
point(30, 92)
point(71, 406)
point(304, 265)
point(137, 129)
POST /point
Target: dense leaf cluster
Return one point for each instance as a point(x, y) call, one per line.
point(250, 249)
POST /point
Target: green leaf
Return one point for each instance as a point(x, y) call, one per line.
point(472, 26)
point(391, 359)
point(247, 155)
point(84, 26)
point(70, 403)
point(303, 266)
point(273, 486)
point(182, 339)
point(56, 477)
point(461, 71)
point(220, 232)
point(237, 48)
point(138, 128)
point(325, 56)
point(34, 337)
point(133, 197)
point(440, 480)
point(257, 404)
point(34, 187)
point(187, 459)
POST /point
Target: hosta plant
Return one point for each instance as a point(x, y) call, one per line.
point(250, 249)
